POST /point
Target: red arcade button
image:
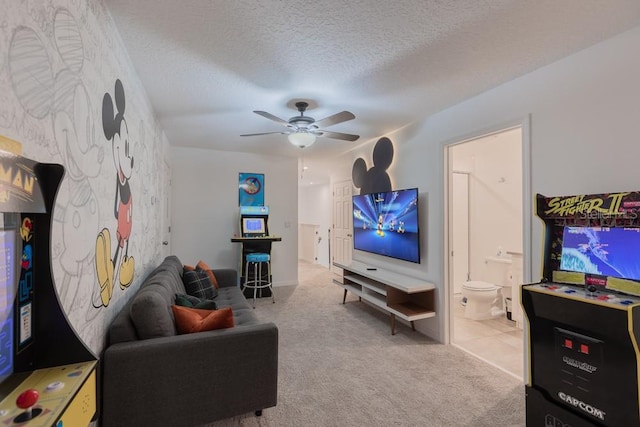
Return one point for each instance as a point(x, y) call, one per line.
point(568, 343)
point(584, 349)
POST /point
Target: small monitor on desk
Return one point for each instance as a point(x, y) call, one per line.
point(254, 227)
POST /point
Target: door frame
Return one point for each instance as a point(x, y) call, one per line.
point(524, 124)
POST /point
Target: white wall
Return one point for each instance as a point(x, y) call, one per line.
point(57, 61)
point(495, 193)
point(314, 207)
point(205, 213)
point(584, 112)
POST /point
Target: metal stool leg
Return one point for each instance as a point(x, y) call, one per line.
point(255, 282)
point(273, 295)
point(246, 277)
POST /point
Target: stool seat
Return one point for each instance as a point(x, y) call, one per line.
point(258, 257)
point(257, 280)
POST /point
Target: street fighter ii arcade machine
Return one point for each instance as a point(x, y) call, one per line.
point(583, 318)
point(47, 374)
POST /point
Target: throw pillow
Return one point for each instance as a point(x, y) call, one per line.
point(195, 302)
point(198, 284)
point(188, 267)
point(206, 304)
point(202, 266)
point(189, 320)
point(186, 300)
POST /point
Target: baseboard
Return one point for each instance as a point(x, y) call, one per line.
point(287, 283)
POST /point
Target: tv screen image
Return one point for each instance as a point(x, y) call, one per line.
point(606, 251)
point(387, 224)
point(7, 285)
point(253, 226)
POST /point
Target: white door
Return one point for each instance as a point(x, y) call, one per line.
point(307, 242)
point(460, 230)
point(166, 212)
point(342, 240)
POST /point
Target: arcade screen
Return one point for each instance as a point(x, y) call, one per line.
point(7, 286)
point(387, 224)
point(253, 226)
point(607, 251)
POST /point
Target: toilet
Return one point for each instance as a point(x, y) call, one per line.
point(484, 298)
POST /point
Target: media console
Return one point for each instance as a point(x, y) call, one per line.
point(401, 296)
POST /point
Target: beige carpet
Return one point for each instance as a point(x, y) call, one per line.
point(340, 366)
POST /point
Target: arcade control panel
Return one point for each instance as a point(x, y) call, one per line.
point(583, 359)
point(584, 294)
point(58, 396)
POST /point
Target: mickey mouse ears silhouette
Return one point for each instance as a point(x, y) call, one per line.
point(376, 179)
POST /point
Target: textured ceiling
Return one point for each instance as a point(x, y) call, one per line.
point(207, 64)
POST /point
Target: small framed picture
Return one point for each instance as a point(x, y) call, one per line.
point(251, 189)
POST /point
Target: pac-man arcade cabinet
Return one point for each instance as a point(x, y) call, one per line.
point(47, 375)
point(583, 318)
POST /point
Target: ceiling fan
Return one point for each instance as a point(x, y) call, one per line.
point(304, 129)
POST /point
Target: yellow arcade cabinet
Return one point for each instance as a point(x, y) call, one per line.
point(47, 375)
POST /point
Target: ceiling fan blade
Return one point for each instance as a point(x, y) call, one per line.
point(340, 117)
point(265, 133)
point(337, 135)
point(272, 117)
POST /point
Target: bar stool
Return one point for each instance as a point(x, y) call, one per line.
point(257, 281)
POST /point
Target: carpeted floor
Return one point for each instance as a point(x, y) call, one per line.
point(340, 366)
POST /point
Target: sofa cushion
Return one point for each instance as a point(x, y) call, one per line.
point(201, 265)
point(151, 313)
point(195, 302)
point(189, 320)
point(198, 284)
point(168, 274)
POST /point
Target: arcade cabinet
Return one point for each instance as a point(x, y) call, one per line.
point(583, 318)
point(254, 236)
point(47, 375)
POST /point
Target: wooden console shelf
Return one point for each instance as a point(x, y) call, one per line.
point(406, 297)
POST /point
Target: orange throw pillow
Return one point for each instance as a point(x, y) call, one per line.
point(202, 266)
point(188, 267)
point(189, 320)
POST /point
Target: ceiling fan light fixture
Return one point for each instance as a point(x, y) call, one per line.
point(302, 139)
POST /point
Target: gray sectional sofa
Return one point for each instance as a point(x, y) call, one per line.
point(153, 376)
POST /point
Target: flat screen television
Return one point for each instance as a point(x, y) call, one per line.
point(606, 251)
point(387, 224)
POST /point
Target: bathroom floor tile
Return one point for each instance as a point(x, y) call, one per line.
point(498, 340)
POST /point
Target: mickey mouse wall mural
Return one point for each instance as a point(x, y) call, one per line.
point(121, 266)
point(376, 179)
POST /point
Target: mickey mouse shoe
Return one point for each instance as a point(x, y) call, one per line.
point(104, 266)
point(126, 271)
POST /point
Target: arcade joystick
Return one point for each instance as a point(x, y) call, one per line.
point(26, 400)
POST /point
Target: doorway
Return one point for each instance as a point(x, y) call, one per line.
point(486, 181)
point(308, 240)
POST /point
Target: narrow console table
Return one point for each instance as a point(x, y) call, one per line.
point(406, 297)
